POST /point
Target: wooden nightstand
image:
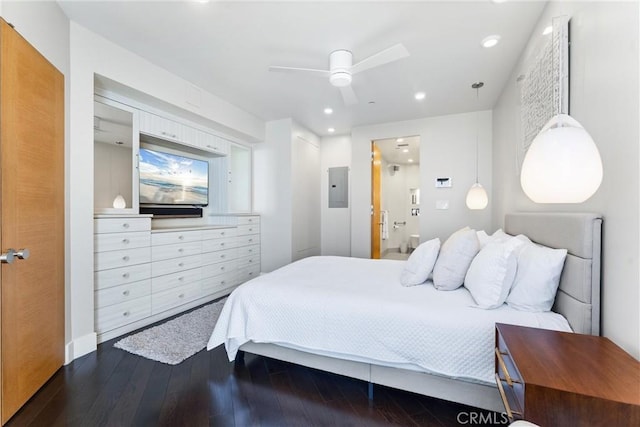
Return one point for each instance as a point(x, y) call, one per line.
point(558, 379)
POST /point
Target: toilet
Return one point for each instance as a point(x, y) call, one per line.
point(414, 240)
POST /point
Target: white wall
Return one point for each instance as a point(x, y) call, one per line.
point(447, 149)
point(604, 98)
point(335, 151)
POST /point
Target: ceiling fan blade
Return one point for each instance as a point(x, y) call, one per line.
point(319, 73)
point(348, 95)
point(390, 54)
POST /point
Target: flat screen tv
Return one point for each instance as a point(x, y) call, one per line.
point(170, 179)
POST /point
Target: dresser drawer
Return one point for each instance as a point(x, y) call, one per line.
point(249, 261)
point(248, 240)
point(212, 270)
point(117, 315)
point(167, 266)
point(173, 280)
point(122, 293)
point(218, 244)
point(253, 250)
point(219, 256)
point(123, 258)
point(248, 273)
point(175, 251)
point(244, 230)
point(218, 283)
point(169, 238)
point(218, 233)
point(119, 276)
point(246, 220)
point(174, 297)
point(508, 380)
point(120, 241)
point(121, 225)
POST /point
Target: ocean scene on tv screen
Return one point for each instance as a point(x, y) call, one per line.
point(168, 179)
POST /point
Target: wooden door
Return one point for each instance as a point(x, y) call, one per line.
point(376, 160)
point(31, 217)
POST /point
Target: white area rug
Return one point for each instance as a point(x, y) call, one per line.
point(175, 340)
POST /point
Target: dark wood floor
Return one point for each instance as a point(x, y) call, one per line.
point(111, 387)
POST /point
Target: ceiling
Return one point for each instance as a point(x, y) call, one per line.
point(400, 150)
point(227, 47)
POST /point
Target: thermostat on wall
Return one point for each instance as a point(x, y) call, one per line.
point(443, 182)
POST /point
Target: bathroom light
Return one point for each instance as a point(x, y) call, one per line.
point(328, 110)
point(410, 160)
point(119, 202)
point(405, 150)
point(331, 130)
point(400, 140)
point(562, 164)
point(419, 96)
point(477, 196)
point(490, 41)
point(547, 30)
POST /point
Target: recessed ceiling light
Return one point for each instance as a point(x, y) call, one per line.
point(547, 30)
point(419, 96)
point(405, 150)
point(498, 1)
point(490, 41)
point(410, 160)
point(331, 130)
point(400, 140)
point(328, 110)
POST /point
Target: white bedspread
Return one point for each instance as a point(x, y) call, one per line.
point(356, 309)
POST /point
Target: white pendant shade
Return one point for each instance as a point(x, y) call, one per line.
point(562, 164)
point(477, 197)
point(119, 202)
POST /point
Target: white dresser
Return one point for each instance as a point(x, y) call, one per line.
point(143, 275)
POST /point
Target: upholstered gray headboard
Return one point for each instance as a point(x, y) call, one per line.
point(578, 298)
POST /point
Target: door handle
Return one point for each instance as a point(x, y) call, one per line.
point(8, 257)
point(23, 253)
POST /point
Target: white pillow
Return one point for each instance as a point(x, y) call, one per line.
point(497, 236)
point(454, 259)
point(420, 263)
point(492, 271)
point(537, 279)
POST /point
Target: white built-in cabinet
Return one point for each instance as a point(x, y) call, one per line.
point(142, 275)
point(146, 270)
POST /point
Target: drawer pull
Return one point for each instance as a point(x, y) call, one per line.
point(125, 275)
point(222, 282)
point(222, 268)
point(507, 377)
point(251, 240)
point(125, 293)
point(180, 250)
point(126, 313)
point(181, 264)
point(503, 396)
point(181, 296)
point(250, 219)
point(180, 278)
point(222, 233)
point(250, 261)
point(181, 237)
point(125, 241)
point(222, 244)
point(125, 225)
point(223, 256)
point(171, 135)
point(125, 258)
point(250, 250)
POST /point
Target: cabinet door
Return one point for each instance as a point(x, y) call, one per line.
point(239, 178)
point(116, 144)
point(160, 127)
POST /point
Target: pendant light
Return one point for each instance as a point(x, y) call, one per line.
point(562, 164)
point(119, 202)
point(477, 196)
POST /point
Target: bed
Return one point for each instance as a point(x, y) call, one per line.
point(389, 339)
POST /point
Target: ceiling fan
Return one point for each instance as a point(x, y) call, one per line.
point(341, 68)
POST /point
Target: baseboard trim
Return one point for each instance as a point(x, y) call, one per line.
point(80, 346)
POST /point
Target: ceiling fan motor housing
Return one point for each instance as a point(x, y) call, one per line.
point(340, 62)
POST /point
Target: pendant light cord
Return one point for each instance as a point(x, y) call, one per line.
point(477, 127)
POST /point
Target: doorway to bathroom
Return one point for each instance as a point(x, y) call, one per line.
point(395, 197)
